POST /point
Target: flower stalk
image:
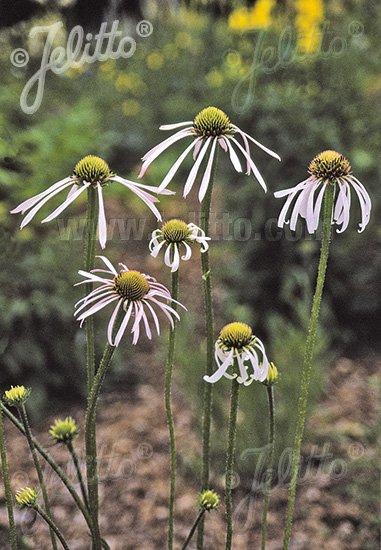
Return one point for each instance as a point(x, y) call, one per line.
point(193, 529)
point(77, 466)
point(28, 434)
point(269, 472)
point(7, 485)
point(53, 464)
point(230, 452)
point(208, 388)
point(308, 355)
point(169, 412)
point(52, 526)
point(90, 435)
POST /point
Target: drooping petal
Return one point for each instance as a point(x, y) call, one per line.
point(112, 321)
point(176, 125)
point(66, 203)
point(221, 371)
point(102, 225)
point(40, 204)
point(257, 173)
point(233, 157)
point(206, 178)
point(124, 324)
point(25, 205)
point(160, 148)
point(172, 171)
point(258, 144)
point(193, 173)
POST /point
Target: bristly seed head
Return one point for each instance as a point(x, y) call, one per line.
point(131, 285)
point(329, 165)
point(236, 335)
point(27, 497)
point(209, 500)
point(212, 122)
point(16, 396)
point(175, 231)
point(64, 431)
point(92, 169)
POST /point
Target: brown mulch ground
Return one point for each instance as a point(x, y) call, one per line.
point(133, 451)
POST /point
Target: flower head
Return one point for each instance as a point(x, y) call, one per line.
point(64, 431)
point(16, 396)
point(327, 168)
point(237, 347)
point(272, 375)
point(27, 497)
point(210, 128)
point(209, 500)
point(173, 235)
point(134, 294)
point(91, 171)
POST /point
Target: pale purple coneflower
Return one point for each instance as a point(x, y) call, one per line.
point(210, 128)
point(90, 171)
point(327, 168)
point(173, 235)
point(132, 292)
point(237, 347)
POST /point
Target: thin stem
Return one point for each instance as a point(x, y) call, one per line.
point(168, 408)
point(269, 473)
point(90, 434)
point(194, 527)
point(28, 435)
point(307, 361)
point(208, 388)
point(53, 464)
point(7, 484)
point(52, 526)
point(90, 243)
point(77, 466)
point(230, 452)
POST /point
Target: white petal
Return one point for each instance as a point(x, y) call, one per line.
point(66, 203)
point(193, 173)
point(206, 178)
point(102, 227)
point(172, 171)
point(123, 325)
point(258, 144)
point(233, 157)
point(108, 264)
point(40, 204)
point(33, 200)
point(257, 174)
point(112, 321)
point(176, 125)
point(160, 148)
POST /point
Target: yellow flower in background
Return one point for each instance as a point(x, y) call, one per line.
point(131, 107)
point(155, 61)
point(257, 17)
point(183, 40)
point(310, 16)
point(214, 79)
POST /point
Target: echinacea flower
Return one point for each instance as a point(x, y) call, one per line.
point(17, 395)
point(327, 168)
point(172, 236)
point(134, 293)
point(27, 496)
point(209, 129)
point(64, 431)
point(237, 347)
point(90, 171)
